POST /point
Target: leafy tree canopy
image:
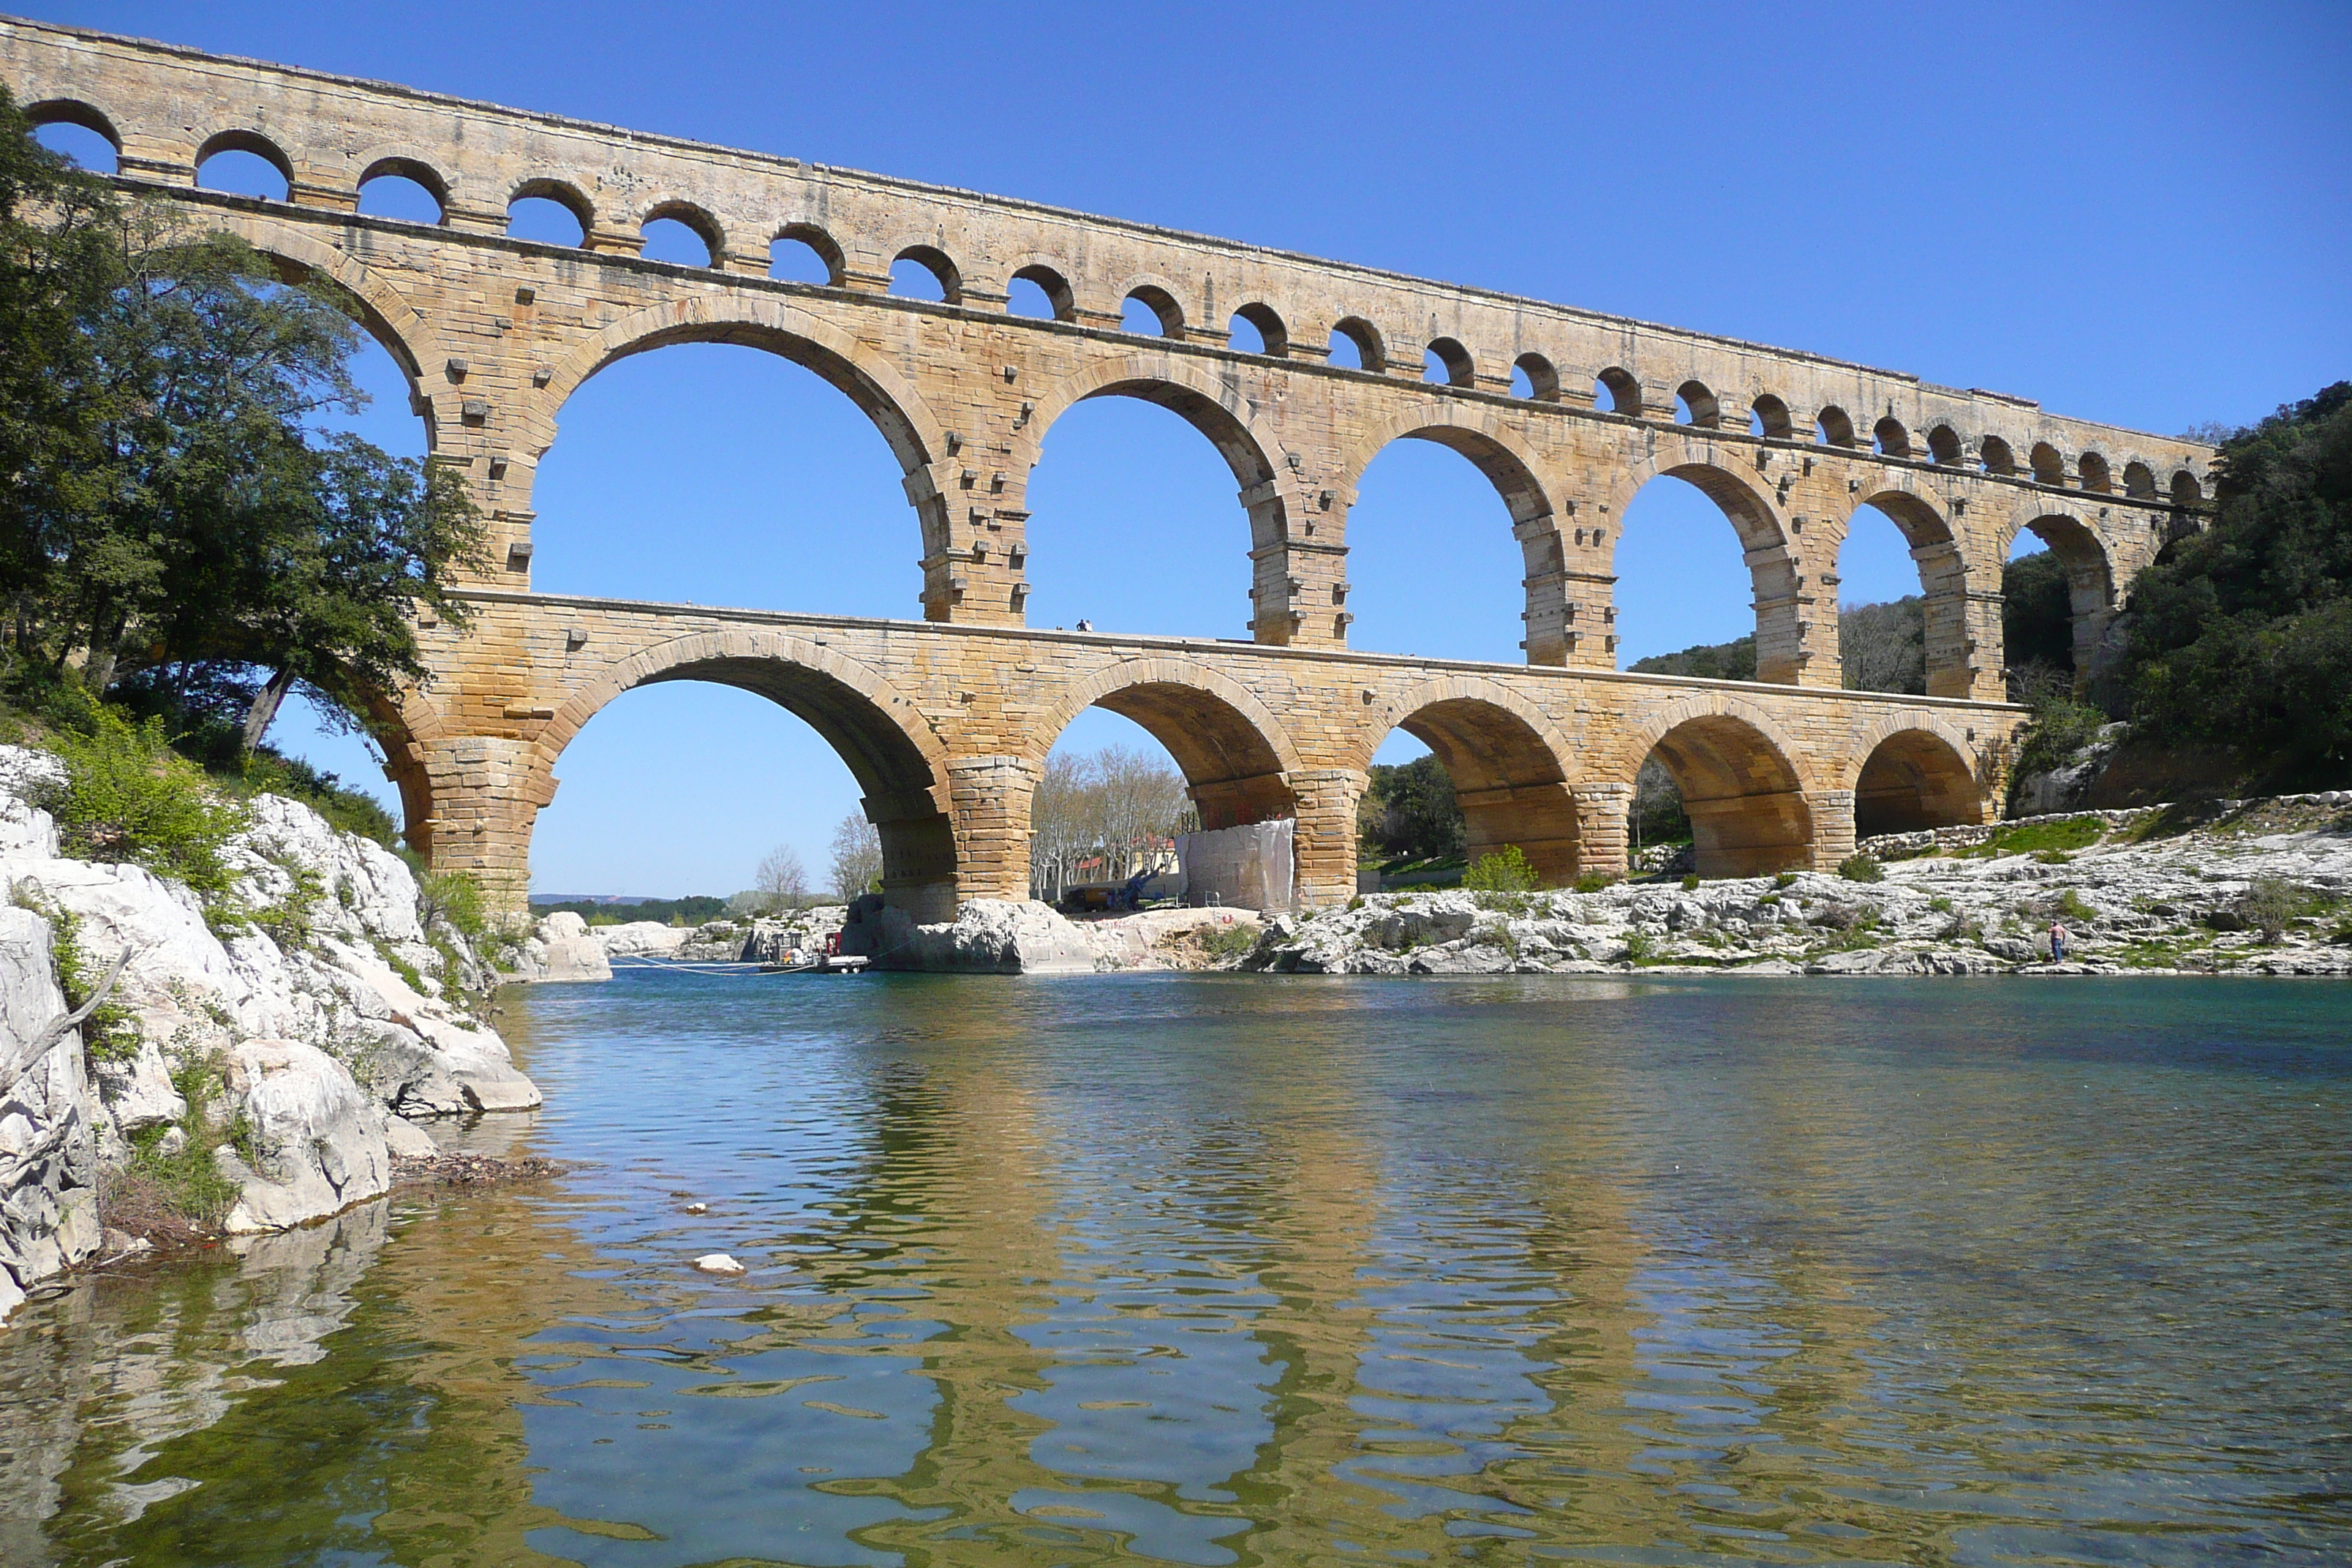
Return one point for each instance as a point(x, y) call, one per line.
point(169, 516)
point(2240, 635)
point(1408, 812)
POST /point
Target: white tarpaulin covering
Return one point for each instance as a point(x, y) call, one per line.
point(1246, 868)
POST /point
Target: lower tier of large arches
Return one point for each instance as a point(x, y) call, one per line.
point(946, 733)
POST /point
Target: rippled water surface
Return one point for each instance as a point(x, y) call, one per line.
point(1229, 1269)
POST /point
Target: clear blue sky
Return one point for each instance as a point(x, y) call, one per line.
point(2131, 212)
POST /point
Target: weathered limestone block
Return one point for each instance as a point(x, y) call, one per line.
point(318, 1138)
point(560, 949)
point(988, 936)
point(48, 1197)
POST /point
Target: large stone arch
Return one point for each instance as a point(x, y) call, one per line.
point(1236, 756)
point(2092, 581)
point(1196, 391)
point(1919, 515)
point(782, 326)
point(1910, 770)
point(877, 732)
point(1785, 654)
point(1745, 785)
point(389, 316)
point(1507, 461)
point(1511, 767)
point(779, 326)
point(1210, 400)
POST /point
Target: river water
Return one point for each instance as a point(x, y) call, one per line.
point(1213, 1269)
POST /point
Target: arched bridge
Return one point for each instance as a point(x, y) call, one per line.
point(946, 721)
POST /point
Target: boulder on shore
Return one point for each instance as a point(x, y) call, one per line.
point(48, 1155)
point(636, 939)
point(560, 948)
point(317, 1141)
point(988, 936)
point(313, 991)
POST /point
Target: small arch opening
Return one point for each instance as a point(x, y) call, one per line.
point(245, 164)
point(78, 133)
point(549, 212)
point(924, 272)
point(1445, 362)
point(2139, 481)
point(2093, 473)
point(403, 190)
point(1356, 345)
point(1994, 457)
point(1041, 293)
point(1150, 311)
point(1536, 378)
point(803, 253)
point(1944, 447)
point(675, 241)
point(2048, 467)
point(1254, 328)
point(1888, 438)
point(1768, 417)
point(1615, 391)
point(1695, 405)
point(2186, 490)
point(1834, 427)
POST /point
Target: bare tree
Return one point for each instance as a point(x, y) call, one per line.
point(1140, 799)
point(856, 857)
point(1884, 647)
point(781, 880)
point(1057, 825)
point(1110, 812)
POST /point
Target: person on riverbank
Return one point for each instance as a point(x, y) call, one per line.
point(2057, 943)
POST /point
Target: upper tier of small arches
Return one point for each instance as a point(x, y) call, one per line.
point(800, 247)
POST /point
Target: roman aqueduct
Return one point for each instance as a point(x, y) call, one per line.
point(946, 721)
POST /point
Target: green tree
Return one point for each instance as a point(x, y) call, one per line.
point(2037, 625)
point(175, 518)
point(1408, 812)
point(2240, 635)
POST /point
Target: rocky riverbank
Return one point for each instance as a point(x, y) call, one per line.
point(260, 1059)
point(2242, 888)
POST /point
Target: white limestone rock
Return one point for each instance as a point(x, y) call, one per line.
point(318, 1140)
point(560, 949)
point(354, 1013)
point(406, 1140)
point(639, 939)
point(988, 936)
point(48, 1167)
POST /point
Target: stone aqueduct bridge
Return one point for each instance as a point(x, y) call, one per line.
point(946, 721)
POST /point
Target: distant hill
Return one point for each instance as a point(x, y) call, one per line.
point(609, 909)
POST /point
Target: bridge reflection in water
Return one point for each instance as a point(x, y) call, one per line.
point(1215, 1270)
